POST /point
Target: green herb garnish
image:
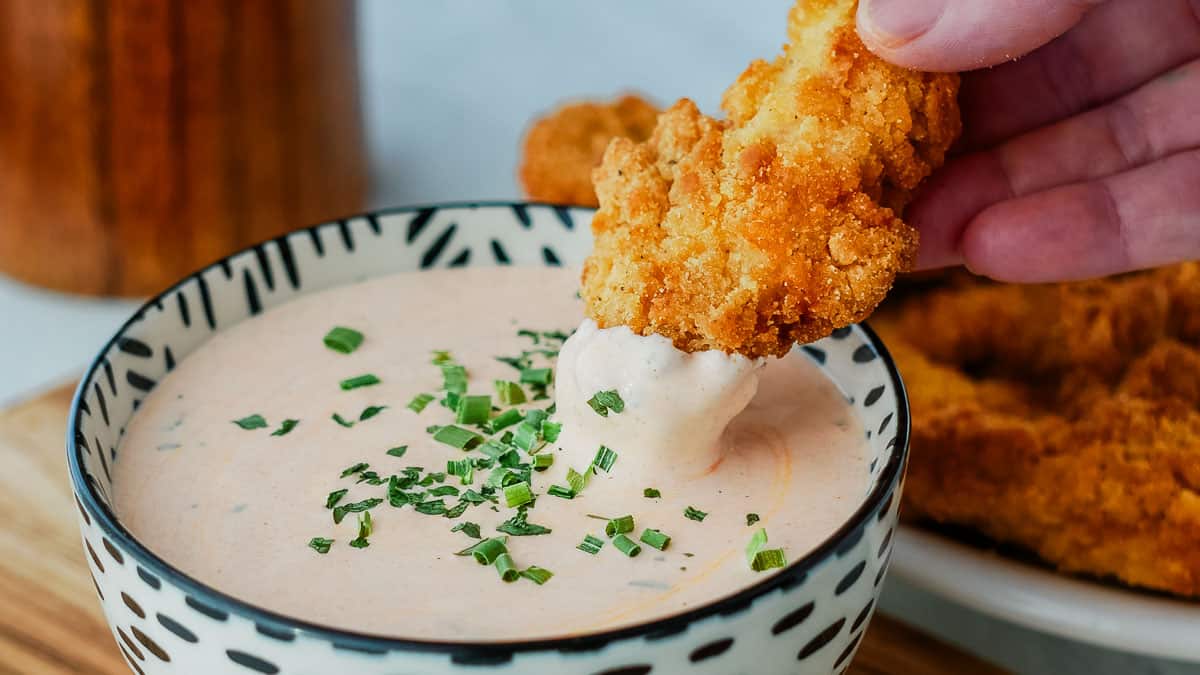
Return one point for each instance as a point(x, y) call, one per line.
point(620, 525)
point(473, 409)
point(655, 539)
point(751, 519)
point(651, 493)
point(463, 468)
point(768, 559)
point(543, 462)
point(433, 507)
point(604, 401)
point(342, 420)
point(335, 497)
point(457, 510)
point(527, 438)
point(356, 468)
point(758, 541)
point(560, 491)
point(339, 512)
point(541, 376)
point(359, 381)
point(519, 526)
point(285, 427)
point(591, 545)
point(509, 393)
point(320, 544)
point(398, 451)
point(551, 430)
point(444, 490)
point(605, 457)
point(457, 437)
point(626, 545)
point(418, 402)
point(505, 419)
point(506, 568)
point(440, 356)
point(692, 513)
point(371, 411)
point(517, 494)
point(577, 480)
point(454, 378)
point(342, 339)
point(468, 528)
point(251, 422)
point(486, 551)
point(537, 575)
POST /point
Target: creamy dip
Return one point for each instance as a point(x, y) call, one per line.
point(236, 508)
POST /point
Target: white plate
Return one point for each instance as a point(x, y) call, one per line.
point(1024, 594)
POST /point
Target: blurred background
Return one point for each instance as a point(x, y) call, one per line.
point(141, 139)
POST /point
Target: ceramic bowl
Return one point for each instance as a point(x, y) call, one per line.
point(809, 618)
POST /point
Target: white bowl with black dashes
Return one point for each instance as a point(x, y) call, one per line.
point(807, 619)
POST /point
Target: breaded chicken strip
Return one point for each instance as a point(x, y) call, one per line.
point(1064, 418)
point(562, 148)
point(778, 225)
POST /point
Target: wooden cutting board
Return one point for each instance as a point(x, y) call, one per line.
point(50, 621)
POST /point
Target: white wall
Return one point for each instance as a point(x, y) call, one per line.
point(450, 86)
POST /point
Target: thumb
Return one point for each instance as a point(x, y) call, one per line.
point(947, 35)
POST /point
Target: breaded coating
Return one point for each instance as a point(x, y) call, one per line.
point(1063, 418)
point(562, 148)
point(777, 225)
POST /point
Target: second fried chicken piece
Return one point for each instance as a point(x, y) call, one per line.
point(773, 227)
point(562, 148)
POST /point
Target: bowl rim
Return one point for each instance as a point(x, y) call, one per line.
point(888, 482)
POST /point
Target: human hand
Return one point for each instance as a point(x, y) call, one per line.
point(1079, 160)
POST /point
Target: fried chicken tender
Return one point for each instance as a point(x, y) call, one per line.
point(1063, 418)
point(780, 224)
point(562, 148)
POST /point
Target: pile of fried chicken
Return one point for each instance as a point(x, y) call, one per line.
point(1064, 418)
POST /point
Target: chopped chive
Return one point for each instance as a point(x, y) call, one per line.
point(577, 480)
point(359, 381)
point(517, 494)
point(693, 513)
point(335, 497)
point(370, 478)
point(519, 526)
point(359, 542)
point(518, 362)
point(342, 420)
point(339, 512)
point(604, 401)
point(433, 507)
point(541, 376)
point(457, 510)
point(605, 457)
point(551, 430)
point(651, 493)
point(353, 469)
point(655, 539)
point(444, 490)
point(251, 422)
point(457, 437)
point(486, 551)
point(371, 411)
point(468, 528)
point(560, 491)
point(526, 438)
point(501, 476)
point(768, 559)
point(342, 339)
point(398, 451)
point(285, 427)
point(506, 568)
point(535, 417)
point(752, 518)
point(473, 409)
point(431, 478)
point(531, 334)
point(537, 575)
point(365, 526)
point(542, 462)
point(626, 545)
point(620, 525)
point(321, 545)
point(418, 402)
point(505, 419)
point(758, 541)
point(509, 393)
point(591, 545)
point(463, 468)
point(454, 378)
point(440, 356)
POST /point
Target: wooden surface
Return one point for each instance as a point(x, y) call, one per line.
point(142, 139)
point(51, 621)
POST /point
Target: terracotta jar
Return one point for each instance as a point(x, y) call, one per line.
point(141, 139)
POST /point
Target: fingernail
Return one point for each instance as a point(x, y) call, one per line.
point(894, 22)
